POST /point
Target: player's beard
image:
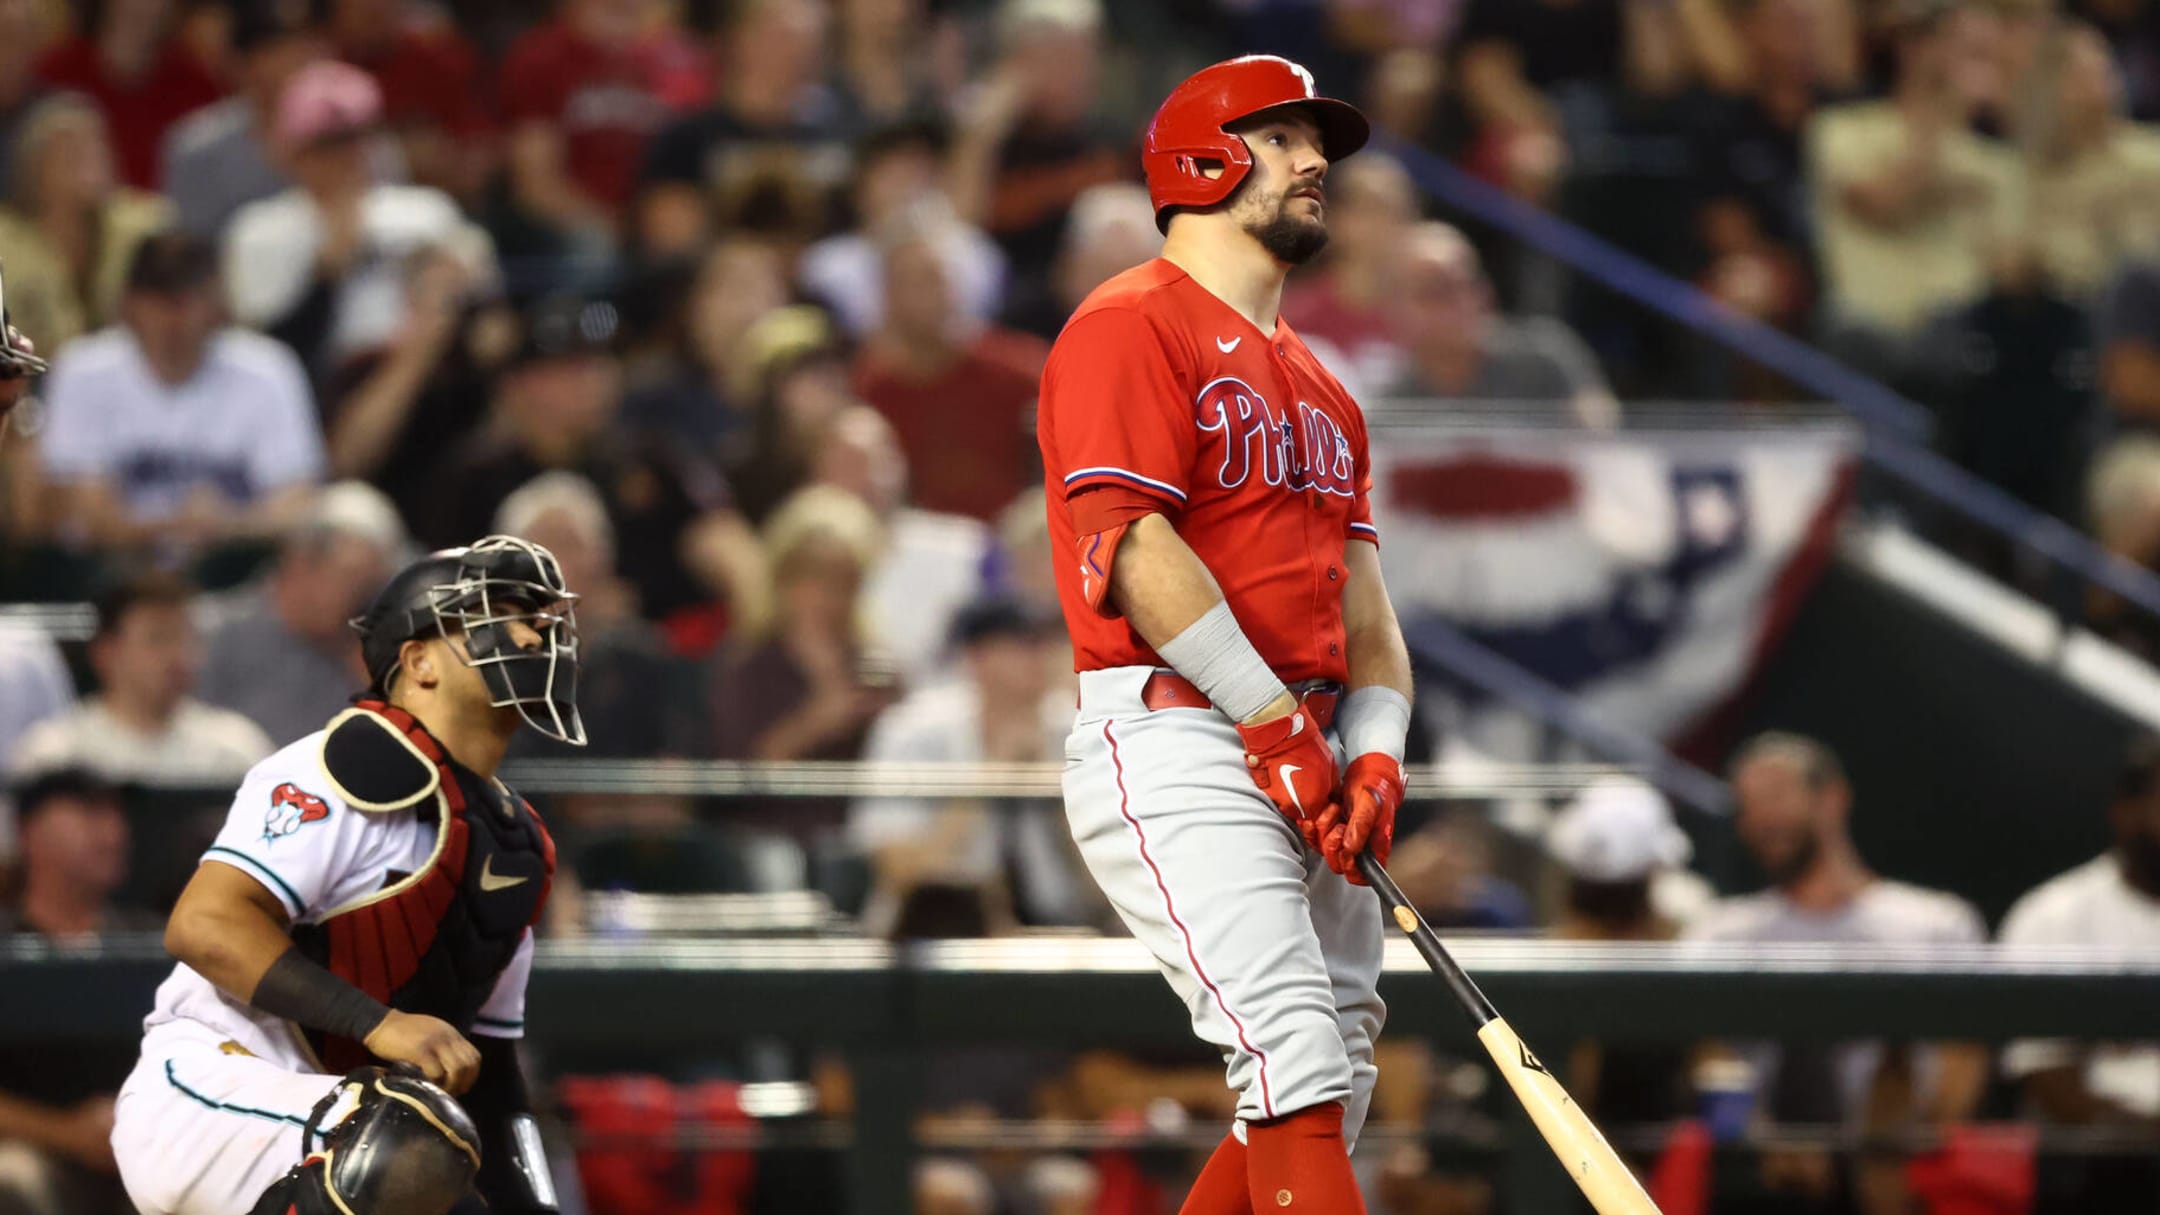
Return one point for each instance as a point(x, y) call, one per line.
point(1290, 239)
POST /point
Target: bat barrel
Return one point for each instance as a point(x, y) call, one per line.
point(1466, 993)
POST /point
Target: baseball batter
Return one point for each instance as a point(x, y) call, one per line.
point(370, 901)
point(1234, 641)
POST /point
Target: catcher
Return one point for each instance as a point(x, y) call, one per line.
point(370, 901)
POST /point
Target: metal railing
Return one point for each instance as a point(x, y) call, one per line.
point(1003, 782)
point(890, 1009)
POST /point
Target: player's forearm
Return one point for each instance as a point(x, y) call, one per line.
point(1166, 593)
point(1158, 583)
point(1377, 654)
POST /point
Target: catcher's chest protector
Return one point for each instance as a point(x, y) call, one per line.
point(432, 942)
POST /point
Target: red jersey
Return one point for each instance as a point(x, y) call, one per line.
point(137, 112)
point(964, 431)
point(1256, 453)
point(607, 103)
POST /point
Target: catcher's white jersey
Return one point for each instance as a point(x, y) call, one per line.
point(213, 1111)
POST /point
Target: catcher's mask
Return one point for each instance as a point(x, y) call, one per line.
point(479, 591)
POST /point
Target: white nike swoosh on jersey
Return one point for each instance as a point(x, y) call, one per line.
point(490, 882)
point(1227, 347)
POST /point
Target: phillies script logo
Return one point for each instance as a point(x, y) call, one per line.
point(292, 808)
point(1301, 453)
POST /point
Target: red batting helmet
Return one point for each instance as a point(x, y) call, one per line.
point(1187, 135)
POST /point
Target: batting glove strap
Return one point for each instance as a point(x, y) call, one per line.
point(1292, 762)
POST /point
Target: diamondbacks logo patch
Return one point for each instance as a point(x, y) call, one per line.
point(292, 808)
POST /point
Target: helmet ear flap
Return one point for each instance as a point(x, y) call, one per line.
point(1188, 129)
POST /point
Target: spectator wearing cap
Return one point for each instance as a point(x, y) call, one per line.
point(683, 546)
point(145, 725)
point(897, 167)
point(637, 700)
point(125, 58)
point(1017, 862)
point(322, 265)
point(56, 1106)
point(283, 653)
point(69, 228)
point(1348, 301)
point(1624, 861)
point(774, 119)
point(1455, 344)
point(961, 395)
point(582, 96)
point(223, 157)
point(171, 429)
point(2111, 900)
point(704, 398)
point(432, 88)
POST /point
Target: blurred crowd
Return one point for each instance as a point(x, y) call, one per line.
point(740, 307)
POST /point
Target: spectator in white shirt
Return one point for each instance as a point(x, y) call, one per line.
point(1793, 808)
point(2113, 900)
point(322, 265)
point(171, 430)
point(994, 867)
point(145, 726)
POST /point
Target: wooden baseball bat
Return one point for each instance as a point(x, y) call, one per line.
point(1603, 1178)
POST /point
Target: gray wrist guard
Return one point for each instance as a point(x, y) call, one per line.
point(1214, 653)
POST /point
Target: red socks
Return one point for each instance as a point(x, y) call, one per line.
point(1298, 1165)
point(1221, 1188)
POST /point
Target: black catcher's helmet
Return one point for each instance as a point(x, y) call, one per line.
point(478, 591)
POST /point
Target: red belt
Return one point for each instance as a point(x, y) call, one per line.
point(1169, 690)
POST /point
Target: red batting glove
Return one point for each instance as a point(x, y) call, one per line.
point(1292, 762)
point(1363, 815)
